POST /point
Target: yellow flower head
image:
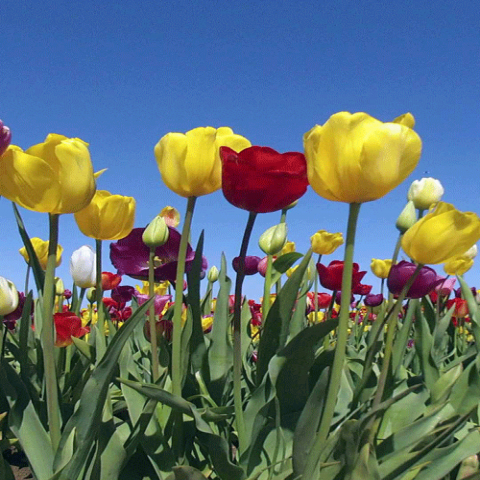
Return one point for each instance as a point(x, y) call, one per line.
point(441, 234)
point(55, 176)
point(458, 265)
point(160, 288)
point(171, 216)
point(311, 317)
point(355, 158)
point(290, 271)
point(381, 268)
point(107, 217)
point(41, 249)
point(289, 247)
point(190, 163)
point(325, 243)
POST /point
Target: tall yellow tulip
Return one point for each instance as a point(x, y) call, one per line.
point(441, 234)
point(55, 176)
point(41, 249)
point(381, 268)
point(190, 163)
point(107, 217)
point(355, 158)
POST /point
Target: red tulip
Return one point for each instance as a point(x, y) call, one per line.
point(261, 180)
point(110, 280)
point(331, 276)
point(68, 325)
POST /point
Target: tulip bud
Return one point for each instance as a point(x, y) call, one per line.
point(83, 268)
point(92, 294)
point(273, 240)
point(213, 274)
point(407, 218)
point(171, 216)
point(8, 296)
point(425, 192)
point(59, 286)
point(157, 233)
point(5, 138)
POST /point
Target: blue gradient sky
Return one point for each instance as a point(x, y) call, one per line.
point(120, 75)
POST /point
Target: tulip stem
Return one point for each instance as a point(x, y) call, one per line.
point(339, 356)
point(397, 249)
point(101, 346)
point(315, 293)
point(267, 285)
point(151, 315)
point(48, 333)
point(237, 336)
point(177, 368)
point(27, 277)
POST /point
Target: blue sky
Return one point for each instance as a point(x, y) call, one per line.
point(120, 75)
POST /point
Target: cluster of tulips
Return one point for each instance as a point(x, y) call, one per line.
point(351, 158)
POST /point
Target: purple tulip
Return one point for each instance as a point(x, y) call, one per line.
point(159, 302)
point(425, 282)
point(5, 138)
point(130, 256)
point(373, 300)
point(251, 264)
point(123, 293)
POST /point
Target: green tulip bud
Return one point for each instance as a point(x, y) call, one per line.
point(407, 218)
point(213, 274)
point(157, 233)
point(59, 286)
point(273, 240)
point(91, 294)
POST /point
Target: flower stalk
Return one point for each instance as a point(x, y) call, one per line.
point(151, 316)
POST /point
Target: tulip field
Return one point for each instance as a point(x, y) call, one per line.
point(152, 364)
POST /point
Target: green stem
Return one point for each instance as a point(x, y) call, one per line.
point(48, 335)
point(99, 298)
point(397, 249)
point(237, 337)
point(151, 315)
point(27, 277)
point(339, 356)
point(78, 306)
point(177, 375)
point(315, 290)
point(266, 288)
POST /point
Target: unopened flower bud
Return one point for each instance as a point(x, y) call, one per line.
point(213, 274)
point(5, 138)
point(8, 296)
point(59, 286)
point(425, 192)
point(273, 240)
point(407, 218)
point(157, 233)
point(171, 216)
point(91, 294)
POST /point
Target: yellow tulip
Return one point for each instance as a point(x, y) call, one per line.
point(325, 243)
point(441, 234)
point(355, 158)
point(108, 217)
point(380, 268)
point(55, 176)
point(289, 247)
point(190, 163)
point(160, 288)
point(458, 265)
point(41, 249)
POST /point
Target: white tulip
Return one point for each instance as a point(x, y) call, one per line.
point(82, 267)
point(8, 296)
point(425, 192)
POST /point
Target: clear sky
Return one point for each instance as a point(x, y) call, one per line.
point(120, 75)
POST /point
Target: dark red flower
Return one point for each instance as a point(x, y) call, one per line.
point(461, 307)
point(331, 276)
point(5, 138)
point(251, 264)
point(323, 300)
point(68, 325)
point(362, 289)
point(399, 274)
point(261, 180)
point(130, 256)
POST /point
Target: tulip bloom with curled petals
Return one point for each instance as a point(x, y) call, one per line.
point(355, 158)
point(5, 138)
point(325, 243)
point(441, 234)
point(380, 268)
point(107, 217)
point(331, 276)
point(68, 325)
point(423, 284)
point(261, 180)
point(190, 163)
point(55, 176)
point(41, 250)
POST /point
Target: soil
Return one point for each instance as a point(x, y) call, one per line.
point(19, 464)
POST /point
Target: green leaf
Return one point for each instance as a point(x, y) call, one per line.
point(186, 473)
point(276, 326)
point(283, 263)
point(87, 418)
point(472, 309)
